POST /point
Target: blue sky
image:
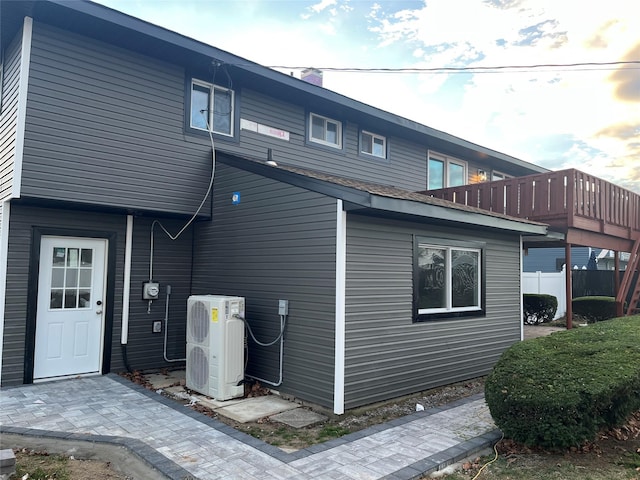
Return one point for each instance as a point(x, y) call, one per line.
point(555, 117)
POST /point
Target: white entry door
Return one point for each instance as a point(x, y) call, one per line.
point(71, 307)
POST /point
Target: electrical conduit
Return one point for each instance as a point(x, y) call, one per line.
point(166, 329)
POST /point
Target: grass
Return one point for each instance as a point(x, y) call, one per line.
point(546, 467)
point(41, 466)
point(332, 431)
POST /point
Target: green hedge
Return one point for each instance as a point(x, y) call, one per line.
point(538, 308)
point(559, 391)
point(594, 309)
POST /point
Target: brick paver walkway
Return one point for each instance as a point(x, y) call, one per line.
point(183, 444)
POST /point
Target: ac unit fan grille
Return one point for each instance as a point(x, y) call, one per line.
point(198, 370)
point(198, 322)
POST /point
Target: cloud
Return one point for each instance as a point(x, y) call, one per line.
point(599, 38)
point(323, 5)
point(622, 131)
point(628, 79)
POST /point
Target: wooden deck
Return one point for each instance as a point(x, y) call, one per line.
point(589, 211)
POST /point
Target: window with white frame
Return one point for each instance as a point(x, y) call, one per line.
point(448, 278)
point(212, 108)
point(325, 131)
point(444, 171)
point(495, 175)
point(372, 144)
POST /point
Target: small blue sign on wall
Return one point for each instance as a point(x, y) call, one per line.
point(235, 198)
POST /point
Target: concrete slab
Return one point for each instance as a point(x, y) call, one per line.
point(298, 418)
point(216, 405)
point(161, 380)
point(255, 408)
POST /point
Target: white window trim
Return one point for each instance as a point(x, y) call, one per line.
point(374, 136)
point(447, 161)
point(212, 88)
point(449, 298)
point(503, 175)
point(321, 141)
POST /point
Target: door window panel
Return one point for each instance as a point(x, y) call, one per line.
point(57, 278)
point(70, 298)
point(86, 257)
point(56, 298)
point(71, 278)
point(59, 256)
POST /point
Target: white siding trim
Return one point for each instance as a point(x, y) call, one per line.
point(520, 290)
point(4, 250)
point(126, 286)
point(341, 273)
point(25, 59)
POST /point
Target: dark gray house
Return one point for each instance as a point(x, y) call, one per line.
point(130, 154)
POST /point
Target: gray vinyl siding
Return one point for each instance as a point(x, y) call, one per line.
point(105, 126)
point(278, 243)
point(405, 166)
point(20, 239)
point(387, 355)
point(9, 116)
point(172, 267)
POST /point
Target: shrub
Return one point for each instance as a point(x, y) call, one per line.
point(594, 309)
point(559, 391)
point(538, 308)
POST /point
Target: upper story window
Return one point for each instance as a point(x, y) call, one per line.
point(445, 171)
point(372, 144)
point(325, 131)
point(212, 108)
point(448, 278)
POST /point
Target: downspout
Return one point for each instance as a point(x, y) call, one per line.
point(340, 320)
point(521, 289)
point(126, 290)
point(568, 285)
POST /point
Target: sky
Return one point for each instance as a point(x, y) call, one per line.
point(585, 117)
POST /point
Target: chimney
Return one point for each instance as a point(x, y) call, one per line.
point(312, 75)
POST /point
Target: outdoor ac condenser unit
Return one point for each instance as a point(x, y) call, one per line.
point(215, 346)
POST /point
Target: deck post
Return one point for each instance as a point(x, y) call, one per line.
point(568, 285)
point(616, 283)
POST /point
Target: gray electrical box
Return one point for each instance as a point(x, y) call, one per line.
point(150, 290)
point(283, 307)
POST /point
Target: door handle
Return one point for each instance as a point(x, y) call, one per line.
point(98, 312)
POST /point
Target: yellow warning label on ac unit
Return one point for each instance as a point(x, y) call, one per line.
point(214, 315)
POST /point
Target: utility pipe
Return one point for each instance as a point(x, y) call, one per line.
point(281, 338)
point(166, 329)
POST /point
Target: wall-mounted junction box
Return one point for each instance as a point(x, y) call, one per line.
point(157, 327)
point(283, 307)
point(150, 290)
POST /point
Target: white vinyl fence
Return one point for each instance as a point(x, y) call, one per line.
point(548, 283)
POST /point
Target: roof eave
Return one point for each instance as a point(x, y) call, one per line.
point(380, 203)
